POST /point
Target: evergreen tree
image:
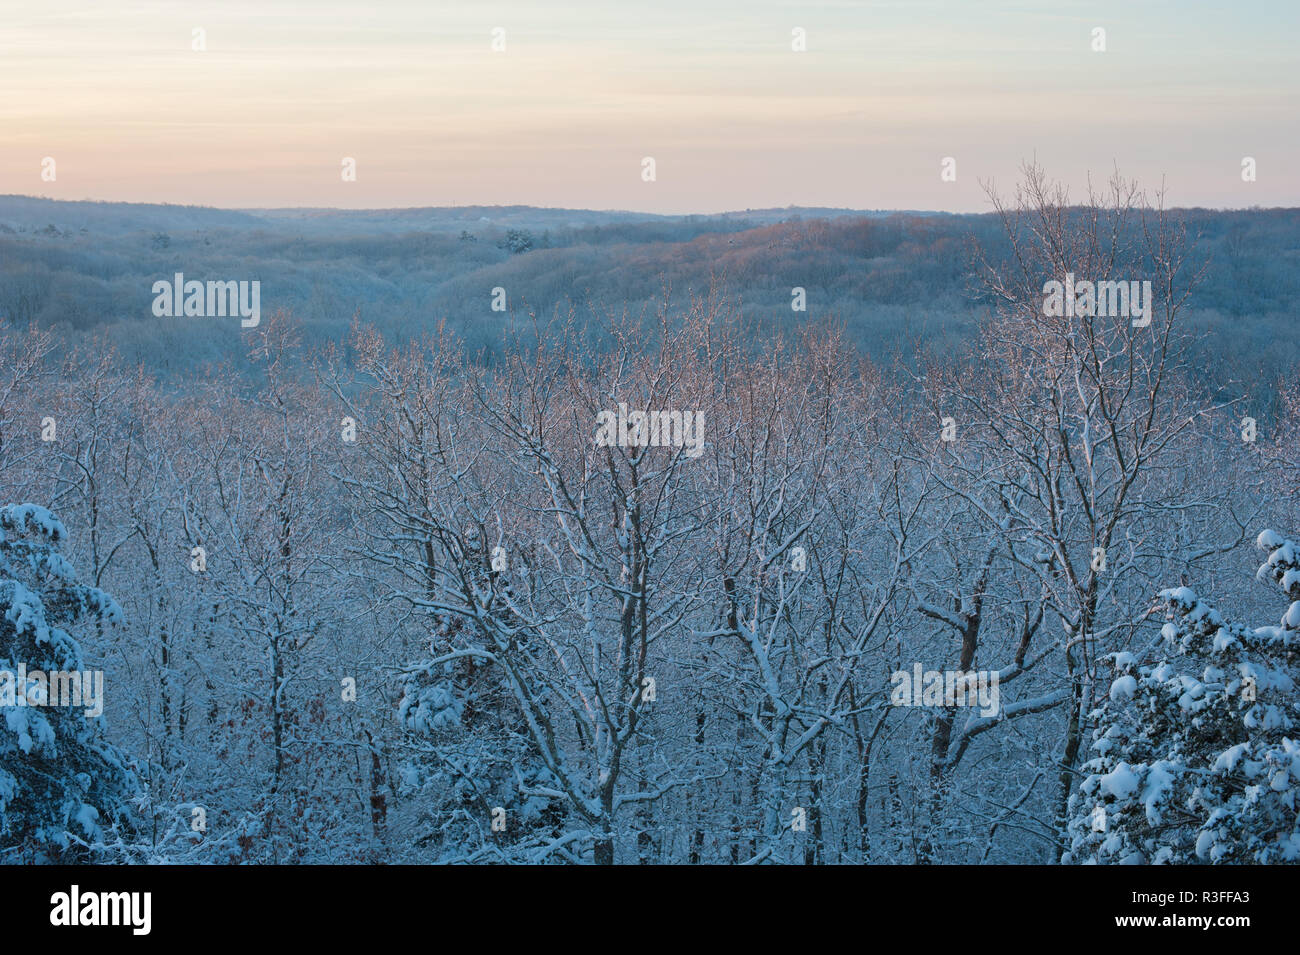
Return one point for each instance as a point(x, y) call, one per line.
point(1197, 760)
point(61, 786)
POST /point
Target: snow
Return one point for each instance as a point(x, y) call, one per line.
point(1292, 618)
point(1289, 847)
point(1228, 759)
point(1159, 782)
point(26, 612)
point(34, 732)
point(1268, 540)
point(426, 709)
point(29, 518)
point(1204, 842)
point(88, 818)
point(1123, 688)
point(1223, 640)
point(1121, 783)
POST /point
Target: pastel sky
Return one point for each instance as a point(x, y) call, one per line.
point(115, 94)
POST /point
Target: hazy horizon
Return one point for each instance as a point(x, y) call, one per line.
point(265, 113)
point(591, 209)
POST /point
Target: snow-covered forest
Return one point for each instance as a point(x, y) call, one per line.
point(389, 602)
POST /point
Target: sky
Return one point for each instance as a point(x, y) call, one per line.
point(281, 93)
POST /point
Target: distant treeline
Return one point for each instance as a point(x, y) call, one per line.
point(901, 284)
